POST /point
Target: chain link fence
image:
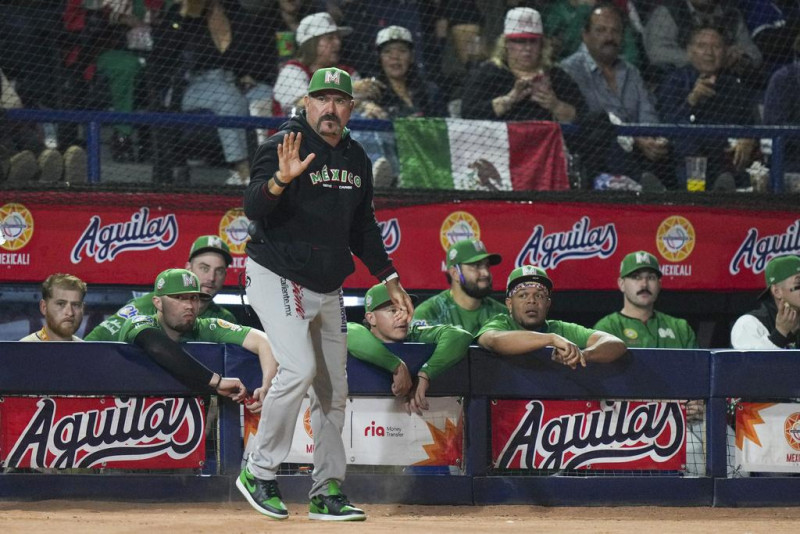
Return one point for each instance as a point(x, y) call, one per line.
point(432, 68)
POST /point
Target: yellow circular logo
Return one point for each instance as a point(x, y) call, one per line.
point(630, 333)
point(16, 226)
point(675, 238)
point(457, 226)
point(791, 431)
point(233, 229)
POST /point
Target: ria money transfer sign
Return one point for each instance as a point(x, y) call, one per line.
point(563, 435)
point(378, 431)
point(130, 433)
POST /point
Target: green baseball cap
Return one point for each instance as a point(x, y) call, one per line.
point(211, 243)
point(470, 251)
point(332, 79)
point(641, 259)
point(528, 273)
point(779, 269)
point(178, 282)
point(377, 296)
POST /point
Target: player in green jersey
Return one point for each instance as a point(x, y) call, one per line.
point(209, 259)
point(366, 342)
point(524, 327)
point(467, 303)
point(639, 325)
point(176, 297)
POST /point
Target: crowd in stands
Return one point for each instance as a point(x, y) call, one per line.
point(586, 62)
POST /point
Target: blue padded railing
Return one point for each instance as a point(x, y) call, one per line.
point(713, 376)
point(94, 119)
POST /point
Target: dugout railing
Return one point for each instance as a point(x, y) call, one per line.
point(95, 120)
point(118, 369)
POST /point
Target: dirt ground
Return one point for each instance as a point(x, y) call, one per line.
point(66, 517)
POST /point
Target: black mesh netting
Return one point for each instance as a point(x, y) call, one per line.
point(460, 89)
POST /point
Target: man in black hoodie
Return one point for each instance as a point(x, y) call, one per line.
point(310, 203)
point(776, 323)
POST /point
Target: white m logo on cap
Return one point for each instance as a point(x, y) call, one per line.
point(332, 76)
point(642, 257)
point(188, 281)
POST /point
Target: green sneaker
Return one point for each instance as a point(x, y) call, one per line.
point(334, 506)
point(263, 495)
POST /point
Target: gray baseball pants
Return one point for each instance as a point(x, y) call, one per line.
point(308, 334)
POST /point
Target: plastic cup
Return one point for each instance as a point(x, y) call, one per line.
point(285, 43)
point(696, 173)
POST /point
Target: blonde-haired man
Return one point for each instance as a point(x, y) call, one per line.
point(62, 308)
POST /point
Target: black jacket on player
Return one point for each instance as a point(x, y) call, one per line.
point(307, 233)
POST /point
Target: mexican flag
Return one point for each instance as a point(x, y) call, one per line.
point(480, 155)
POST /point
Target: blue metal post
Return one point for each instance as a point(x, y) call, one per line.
point(716, 437)
point(776, 163)
point(93, 152)
point(476, 454)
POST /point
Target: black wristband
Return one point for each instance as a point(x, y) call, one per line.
point(278, 182)
point(216, 386)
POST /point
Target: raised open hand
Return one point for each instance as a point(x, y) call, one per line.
point(289, 163)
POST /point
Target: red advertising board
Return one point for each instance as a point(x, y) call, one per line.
point(566, 435)
point(112, 240)
point(80, 432)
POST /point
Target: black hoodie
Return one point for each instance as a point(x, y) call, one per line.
point(307, 233)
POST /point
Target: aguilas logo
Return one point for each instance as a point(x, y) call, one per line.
point(103, 243)
point(132, 429)
point(575, 440)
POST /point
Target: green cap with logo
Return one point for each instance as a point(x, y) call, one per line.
point(528, 273)
point(211, 243)
point(641, 259)
point(331, 79)
point(378, 295)
point(779, 269)
point(178, 282)
point(470, 251)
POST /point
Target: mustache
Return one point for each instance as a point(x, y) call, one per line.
point(644, 291)
point(329, 117)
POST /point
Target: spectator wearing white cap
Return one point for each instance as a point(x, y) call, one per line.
point(319, 45)
point(519, 82)
point(402, 92)
point(399, 91)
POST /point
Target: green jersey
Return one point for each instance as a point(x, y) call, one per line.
point(570, 331)
point(210, 330)
point(109, 329)
point(451, 346)
point(661, 331)
point(442, 309)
